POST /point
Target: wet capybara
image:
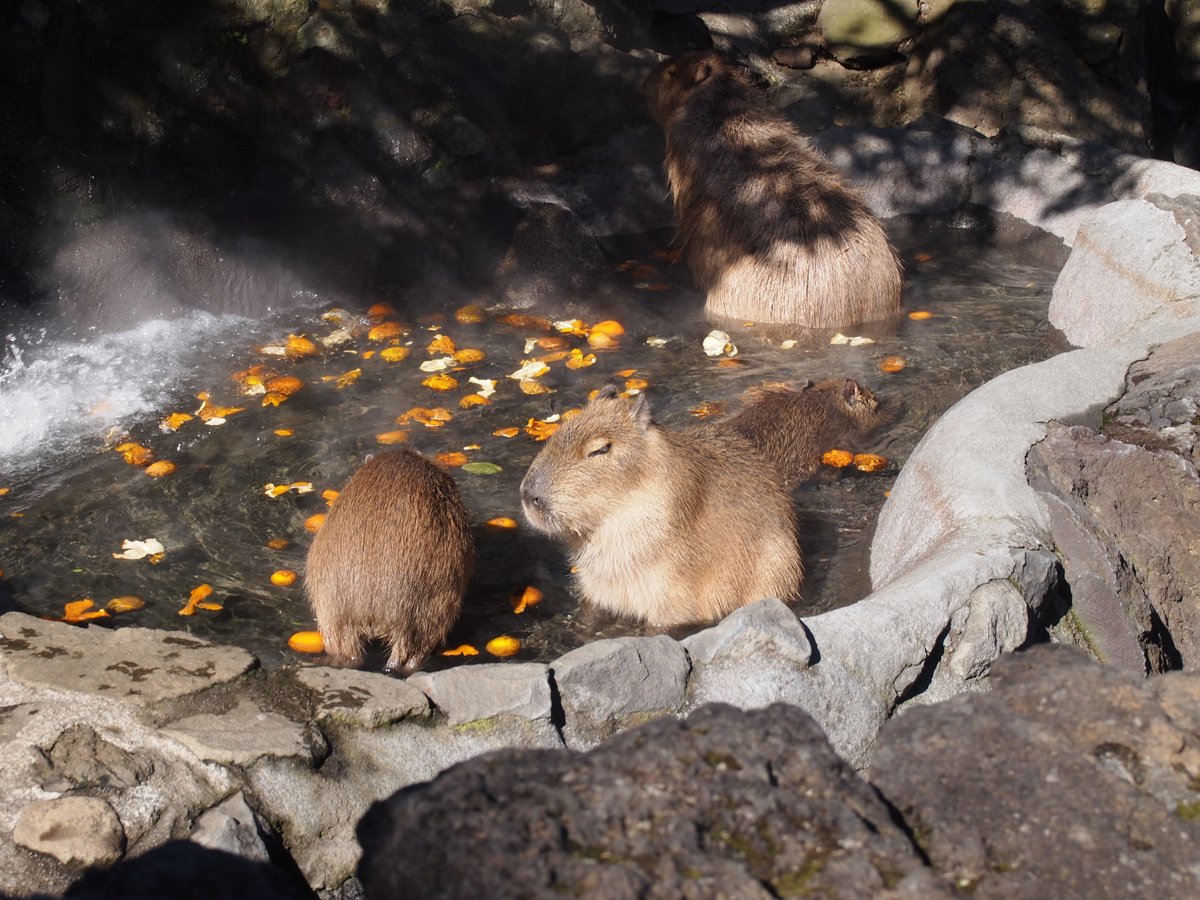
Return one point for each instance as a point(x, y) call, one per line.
point(793, 429)
point(667, 527)
point(391, 562)
point(770, 230)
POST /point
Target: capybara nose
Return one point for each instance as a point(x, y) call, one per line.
point(531, 492)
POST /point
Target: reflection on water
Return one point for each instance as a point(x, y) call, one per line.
point(64, 517)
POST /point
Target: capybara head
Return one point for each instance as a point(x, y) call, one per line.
point(669, 85)
point(853, 399)
point(590, 466)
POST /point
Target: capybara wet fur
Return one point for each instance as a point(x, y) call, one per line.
point(667, 527)
point(391, 562)
point(793, 429)
point(771, 231)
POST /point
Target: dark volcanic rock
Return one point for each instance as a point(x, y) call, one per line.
point(1069, 779)
point(1125, 514)
point(724, 804)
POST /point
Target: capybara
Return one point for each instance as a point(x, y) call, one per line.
point(793, 429)
point(668, 527)
point(391, 562)
point(770, 230)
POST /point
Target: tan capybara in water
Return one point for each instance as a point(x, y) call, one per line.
point(391, 562)
point(793, 429)
point(771, 231)
point(668, 527)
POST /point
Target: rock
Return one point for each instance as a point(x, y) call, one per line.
point(607, 686)
point(232, 827)
point(865, 31)
point(75, 830)
point(183, 870)
point(1067, 778)
point(728, 803)
point(1134, 265)
point(766, 629)
point(997, 622)
point(474, 693)
point(1125, 515)
point(244, 734)
point(364, 699)
point(551, 256)
point(1185, 21)
point(140, 665)
point(999, 65)
point(81, 758)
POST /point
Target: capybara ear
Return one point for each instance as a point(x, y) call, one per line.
point(641, 411)
point(702, 72)
point(608, 392)
point(851, 392)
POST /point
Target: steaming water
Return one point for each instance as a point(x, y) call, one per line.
point(72, 499)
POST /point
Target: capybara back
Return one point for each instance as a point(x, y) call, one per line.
point(770, 230)
point(392, 561)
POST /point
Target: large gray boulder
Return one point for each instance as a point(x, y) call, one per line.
point(1133, 268)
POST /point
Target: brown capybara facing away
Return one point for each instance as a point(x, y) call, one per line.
point(770, 230)
point(793, 429)
point(391, 562)
point(668, 527)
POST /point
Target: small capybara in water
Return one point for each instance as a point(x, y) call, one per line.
point(668, 527)
point(391, 562)
point(793, 429)
point(770, 230)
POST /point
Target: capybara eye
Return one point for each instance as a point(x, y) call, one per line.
point(602, 449)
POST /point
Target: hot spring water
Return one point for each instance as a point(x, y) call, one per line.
point(72, 499)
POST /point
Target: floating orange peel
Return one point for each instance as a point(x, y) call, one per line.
point(461, 650)
point(135, 454)
point(345, 379)
point(471, 400)
point(81, 611)
point(284, 384)
point(314, 522)
point(510, 432)
point(838, 458)
point(161, 468)
point(199, 600)
point(452, 459)
point(918, 315)
point(869, 462)
point(283, 577)
point(523, 599)
point(330, 495)
point(442, 345)
point(469, 355)
point(531, 387)
point(503, 646)
point(392, 437)
point(386, 331)
point(634, 385)
point(284, 432)
point(298, 346)
point(278, 490)
point(149, 549)
point(435, 417)
point(279, 543)
point(175, 421)
point(307, 642)
point(502, 522)
point(441, 382)
point(541, 429)
point(580, 360)
point(210, 413)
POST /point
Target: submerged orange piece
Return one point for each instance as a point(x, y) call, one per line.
point(579, 360)
point(601, 341)
point(284, 384)
point(838, 458)
point(611, 327)
point(501, 522)
point(469, 355)
point(473, 400)
point(160, 468)
point(126, 603)
point(522, 600)
point(279, 543)
point(430, 418)
point(552, 342)
point(636, 384)
point(394, 354)
point(471, 314)
point(520, 320)
point(707, 409)
point(892, 364)
point(919, 314)
point(451, 459)
point(503, 646)
point(381, 310)
point(392, 437)
point(307, 642)
point(461, 650)
point(442, 345)
point(284, 432)
point(529, 386)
